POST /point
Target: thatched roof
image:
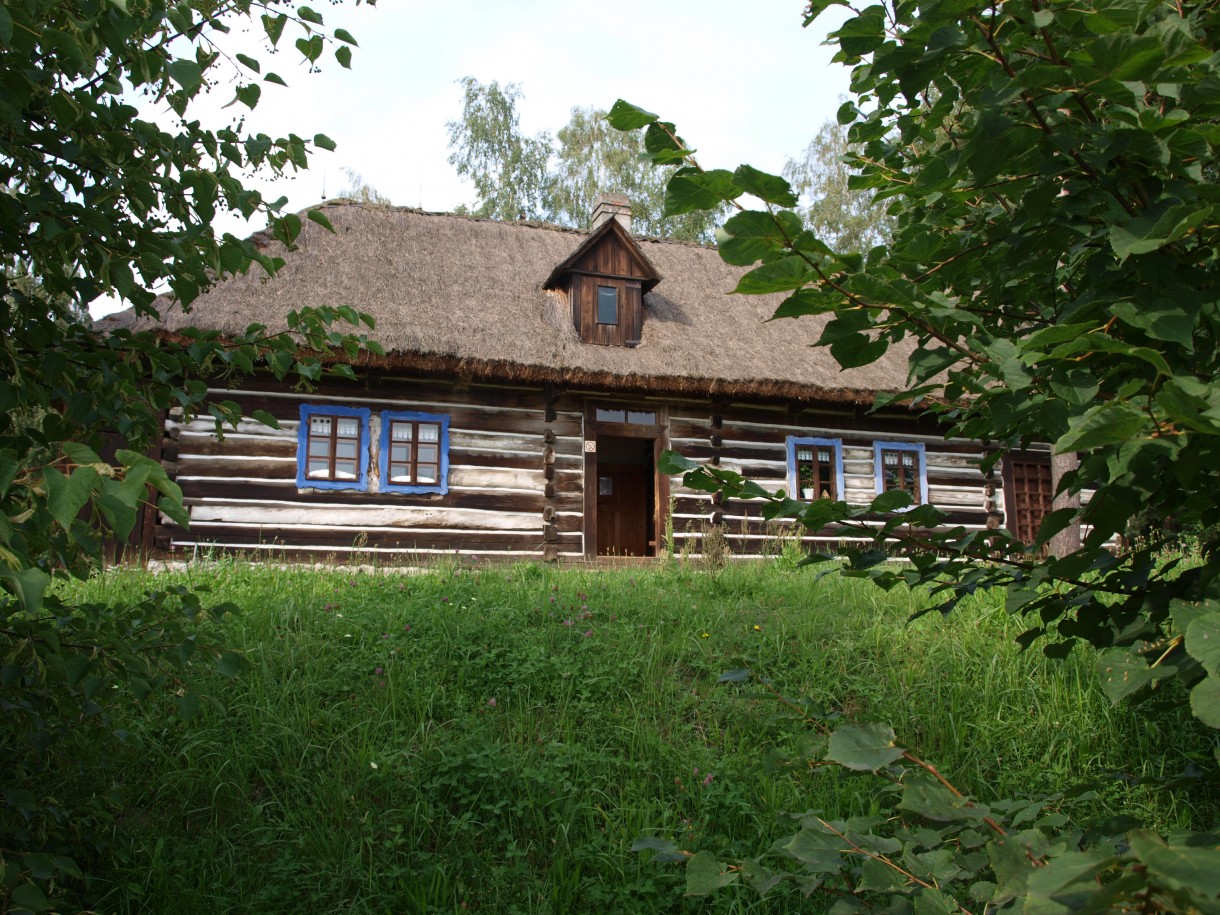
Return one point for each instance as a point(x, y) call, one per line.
point(464, 297)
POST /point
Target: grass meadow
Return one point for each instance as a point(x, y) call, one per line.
point(494, 740)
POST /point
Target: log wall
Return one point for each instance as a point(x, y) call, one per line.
point(516, 475)
point(515, 478)
point(752, 441)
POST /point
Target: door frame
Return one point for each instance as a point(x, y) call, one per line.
point(593, 429)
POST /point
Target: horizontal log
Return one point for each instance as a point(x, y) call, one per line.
point(319, 515)
point(396, 542)
point(201, 493)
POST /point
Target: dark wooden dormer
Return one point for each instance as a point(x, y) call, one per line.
point(606, 278)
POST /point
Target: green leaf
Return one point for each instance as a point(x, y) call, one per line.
point(310, 15)
point(29, 585)
point(67, 495)
point(343, 55)
point(863, 748)
point(188, 706)
point(1124, 673)
point(8, 470)
point(698, 191)
point(766, 187)
point(274, 78)
point(782, 275)
point(1188, 868)
point(322, 141)
point(29, 896)
point(345, 36)
point(1104, 424)
point(705, 874)
point(890, 501)
point(186, 73)
point(274, 27)
point(739, 675)
point(818, 850)
point(1203, 642)
point(6, 26)
point(80, 454)
point(250, 62)
point(231, 663)
point(664, 851)
point(625, 116)
point(927, 797)
point(671, 463)
point(1205, 702)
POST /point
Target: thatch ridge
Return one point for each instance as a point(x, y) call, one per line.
point(462, 296)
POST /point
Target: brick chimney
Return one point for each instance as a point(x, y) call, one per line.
point(611, 206)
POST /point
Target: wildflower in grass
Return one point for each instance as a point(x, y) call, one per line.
point(588, 633)
point(568, 623)
point(708, 780)
point(372, 765)
point(757, 628)
point(706, 635)
point(492, 701)
point(378, 671)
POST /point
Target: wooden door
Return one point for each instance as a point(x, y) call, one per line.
point(1029, 496)
point(623, 516)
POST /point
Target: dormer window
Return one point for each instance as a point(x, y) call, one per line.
point(607, 305)
point(606, 278)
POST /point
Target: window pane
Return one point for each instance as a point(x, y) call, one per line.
point(427, 473)
point(400, 473)
point(345, 470)
point(348, 427)
point(401, 432)
point(319, 425)
point(318, 469)
point(400, 454)
point(611, 416)
point(429, 432)
point(427, 453)
point(605, 486)
point(607, 305)
point(319, 447)
point(804, 454)
point(642, 418)
point(345, 448)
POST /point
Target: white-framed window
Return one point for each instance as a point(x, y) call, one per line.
point(333, 448)
point(901, 466)
point(815, 468)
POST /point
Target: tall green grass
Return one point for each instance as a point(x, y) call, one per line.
point(495, 740)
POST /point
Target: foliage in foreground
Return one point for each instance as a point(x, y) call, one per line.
point(99, 198)
point(1055, 261)
point(500, 738)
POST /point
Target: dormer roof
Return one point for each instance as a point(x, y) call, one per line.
point(608, 245)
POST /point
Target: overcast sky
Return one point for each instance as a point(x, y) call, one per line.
point(743, 81)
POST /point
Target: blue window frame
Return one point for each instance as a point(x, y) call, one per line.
point(414, 452)
point(901, 465)
point(333, 448)
point(815, 468)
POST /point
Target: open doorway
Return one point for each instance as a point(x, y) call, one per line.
point(626, 497)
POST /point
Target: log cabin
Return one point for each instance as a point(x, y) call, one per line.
point(533, 375)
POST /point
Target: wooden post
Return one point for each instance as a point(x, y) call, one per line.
point(1067, 540)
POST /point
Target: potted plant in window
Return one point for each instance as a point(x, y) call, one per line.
point(805, 481)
